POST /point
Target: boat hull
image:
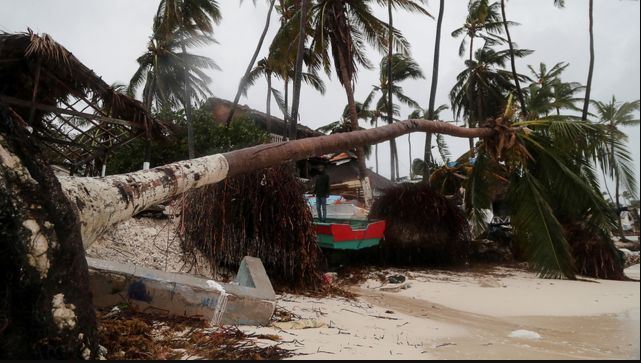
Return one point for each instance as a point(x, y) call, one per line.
point(349, 235)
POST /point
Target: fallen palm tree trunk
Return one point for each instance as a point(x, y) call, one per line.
point(103, 202)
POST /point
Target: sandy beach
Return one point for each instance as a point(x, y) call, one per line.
point(506, 314)
point(464, 314)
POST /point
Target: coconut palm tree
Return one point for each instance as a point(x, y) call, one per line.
point(588, 86)
point(481, 89)
point(261, 40)
point(186, 18)
point(161, 69)
point(298, 70)
point(391, 4)
point(342, 28)
point(269, 68)
point(613, 115)
point(548, 92)
point(427, 153)
point(403, 68)
point(483, 21)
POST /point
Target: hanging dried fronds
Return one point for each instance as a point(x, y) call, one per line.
point(423, 227)
point(261, 214)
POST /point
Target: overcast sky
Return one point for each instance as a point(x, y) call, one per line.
point(108, 36)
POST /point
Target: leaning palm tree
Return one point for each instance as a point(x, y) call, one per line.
point(186, 18)
point(342, 28)
point(411, 5)
point(427, 153)
point(613, 115)
point(519, 92)
point(241, 84)
point(403, 68)
point(588, 86)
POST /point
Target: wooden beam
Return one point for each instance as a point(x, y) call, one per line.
point(18, 102)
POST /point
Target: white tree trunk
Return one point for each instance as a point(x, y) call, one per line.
point(102, 202)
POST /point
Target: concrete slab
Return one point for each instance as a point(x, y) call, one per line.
point(249, 300)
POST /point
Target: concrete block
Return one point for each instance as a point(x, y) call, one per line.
point(249, 300)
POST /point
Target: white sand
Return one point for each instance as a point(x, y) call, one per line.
point(464, 315)
point(511, 292)
point(443, 315)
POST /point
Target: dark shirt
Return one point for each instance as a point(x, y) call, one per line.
point(321, 188)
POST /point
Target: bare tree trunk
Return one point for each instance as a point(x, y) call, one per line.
point(427, 154)
point(268, 107)
point(286, 113)
point(588, 87)
point(618, 206)
point(409, 141)
point(392, 159)
point(347, 83)
point(390, 100)
point(103, 202)
point(45, 305)
point(190, 127)
point(519, 92)
point(471, 140)
point(376, 147)
point(241, 84)
point(298, 71)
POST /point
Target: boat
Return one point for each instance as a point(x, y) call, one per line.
point(347, 226)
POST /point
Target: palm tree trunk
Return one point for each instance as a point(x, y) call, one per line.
point(588, 87)
point(390, 82)
point(427, 154)
point(103, 202)
point(293, 128)
point(618, 206)
point(45, 306)
point(251, 64)
point(286, 113)
point(376, 146)
point(471, 140)
point(268, 107)
point(519, 92)
point(190, 126)
point(392, 150)
point(409, 142)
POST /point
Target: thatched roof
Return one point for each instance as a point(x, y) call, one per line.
point(72, 111)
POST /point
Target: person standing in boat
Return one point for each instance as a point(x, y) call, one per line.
point(321, 190)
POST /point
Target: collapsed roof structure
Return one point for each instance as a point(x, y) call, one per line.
point(76, 117)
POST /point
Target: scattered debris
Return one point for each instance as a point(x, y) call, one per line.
point(396, 279)
point(395, 287)
point(129, 335)
point(300, 324)
point(525, 334)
